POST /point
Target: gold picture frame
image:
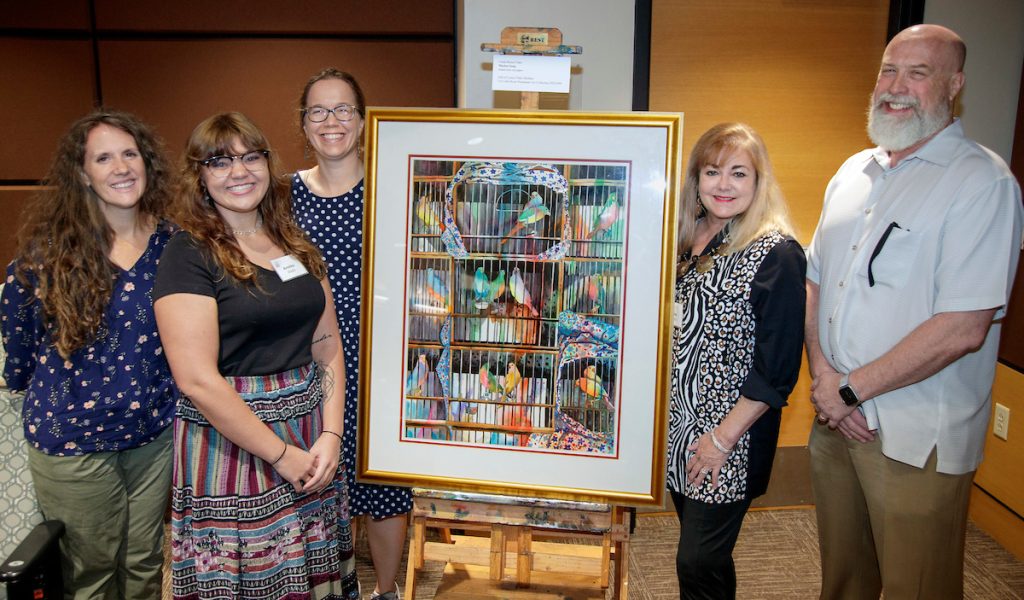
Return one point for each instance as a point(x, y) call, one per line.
point(517, 292)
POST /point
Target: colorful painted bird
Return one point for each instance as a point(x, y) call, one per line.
point(517, 286)
point(512, 379)
point(596, 292)
point(497, 287)
point(607, 217)
point(427, 212)
point(481, 289)
point(488, 381)
point(533, 212)
point(590, 384)
point(416, 380)
point(435, 288)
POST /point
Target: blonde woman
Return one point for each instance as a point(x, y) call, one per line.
point(739, 306)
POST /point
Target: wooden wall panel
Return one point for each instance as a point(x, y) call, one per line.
point(1002, 472)
point(12, 200)
point(311, 16)
point(46, 85)
point(52, 14)
point(798, 72)
point(176, 84)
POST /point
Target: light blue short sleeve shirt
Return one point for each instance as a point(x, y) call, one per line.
point(940, 232)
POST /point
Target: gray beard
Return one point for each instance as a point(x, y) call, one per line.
point(894, 133)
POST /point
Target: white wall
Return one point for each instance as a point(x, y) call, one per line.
point(601, 77)
point(994, 33)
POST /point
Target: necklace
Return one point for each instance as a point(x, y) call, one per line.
point(701, 264)
point(245, 232)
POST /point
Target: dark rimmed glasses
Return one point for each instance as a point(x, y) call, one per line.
point(341, 112)
point(220, 166)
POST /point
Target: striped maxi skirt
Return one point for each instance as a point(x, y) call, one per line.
point(239, 530)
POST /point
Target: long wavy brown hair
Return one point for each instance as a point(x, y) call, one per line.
point(196, 213)
point(64, 240)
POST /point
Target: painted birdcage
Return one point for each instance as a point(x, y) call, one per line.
point(513, 267)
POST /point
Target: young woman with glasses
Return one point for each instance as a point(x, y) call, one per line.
point(259, 507)
point(82, 343)
point(328, 204)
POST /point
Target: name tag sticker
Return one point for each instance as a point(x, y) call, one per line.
point(677, 315)
point(288, 267)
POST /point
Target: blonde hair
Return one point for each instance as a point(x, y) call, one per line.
point(197, 215)
point(767, 211)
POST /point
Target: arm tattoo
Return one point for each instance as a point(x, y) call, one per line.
point(327, 380)
point(323, 337)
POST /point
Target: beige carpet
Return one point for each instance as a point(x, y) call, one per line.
point(776, 559)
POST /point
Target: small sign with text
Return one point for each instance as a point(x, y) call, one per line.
point(527, 73)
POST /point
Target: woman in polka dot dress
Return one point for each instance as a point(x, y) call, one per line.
point(328, 205)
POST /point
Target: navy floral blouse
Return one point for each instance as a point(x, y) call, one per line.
point(114, 394)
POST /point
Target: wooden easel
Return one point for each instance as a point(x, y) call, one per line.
point(543, 41)
point(511, 549)
point(514, 522)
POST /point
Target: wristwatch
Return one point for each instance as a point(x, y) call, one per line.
point(846, 392)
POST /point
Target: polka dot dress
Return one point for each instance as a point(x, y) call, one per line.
point(335, 225)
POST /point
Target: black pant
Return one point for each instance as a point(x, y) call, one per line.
point(707, 535)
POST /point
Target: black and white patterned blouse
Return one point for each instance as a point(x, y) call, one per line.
point(741, 334)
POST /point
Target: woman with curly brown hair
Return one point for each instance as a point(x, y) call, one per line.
point(259, 506)
point(82, 342)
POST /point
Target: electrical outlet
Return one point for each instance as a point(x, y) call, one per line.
point(1001, 426)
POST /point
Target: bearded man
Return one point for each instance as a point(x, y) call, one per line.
point(908, 275)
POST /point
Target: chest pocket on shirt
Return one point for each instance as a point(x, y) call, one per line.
point(894, 261)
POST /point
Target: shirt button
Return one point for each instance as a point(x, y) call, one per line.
point(830, 320)
point(842, 283)
point(854, 247)
point(867, 211)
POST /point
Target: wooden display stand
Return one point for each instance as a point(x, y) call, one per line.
point(541, 41)
point(511, 555)
point(511, 549)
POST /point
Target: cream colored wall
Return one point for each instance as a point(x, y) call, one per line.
point(600, 76)
point(994, 33)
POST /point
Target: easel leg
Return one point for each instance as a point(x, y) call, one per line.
point(415, 561)
point(622, 557)
point(497, 570)
point(529, 100)
point(606, 559)
point(524, 556)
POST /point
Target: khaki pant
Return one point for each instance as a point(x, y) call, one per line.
point(113, 505)
point(883, 524)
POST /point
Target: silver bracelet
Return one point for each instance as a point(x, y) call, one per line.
point(718, 444)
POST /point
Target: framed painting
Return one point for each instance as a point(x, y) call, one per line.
point(517, 294)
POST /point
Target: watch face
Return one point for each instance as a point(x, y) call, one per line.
point(848, 395)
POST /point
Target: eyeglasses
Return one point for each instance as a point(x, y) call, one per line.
point(341, 112)
point(220, 166)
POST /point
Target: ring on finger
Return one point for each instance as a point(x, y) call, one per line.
point(704, 471)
